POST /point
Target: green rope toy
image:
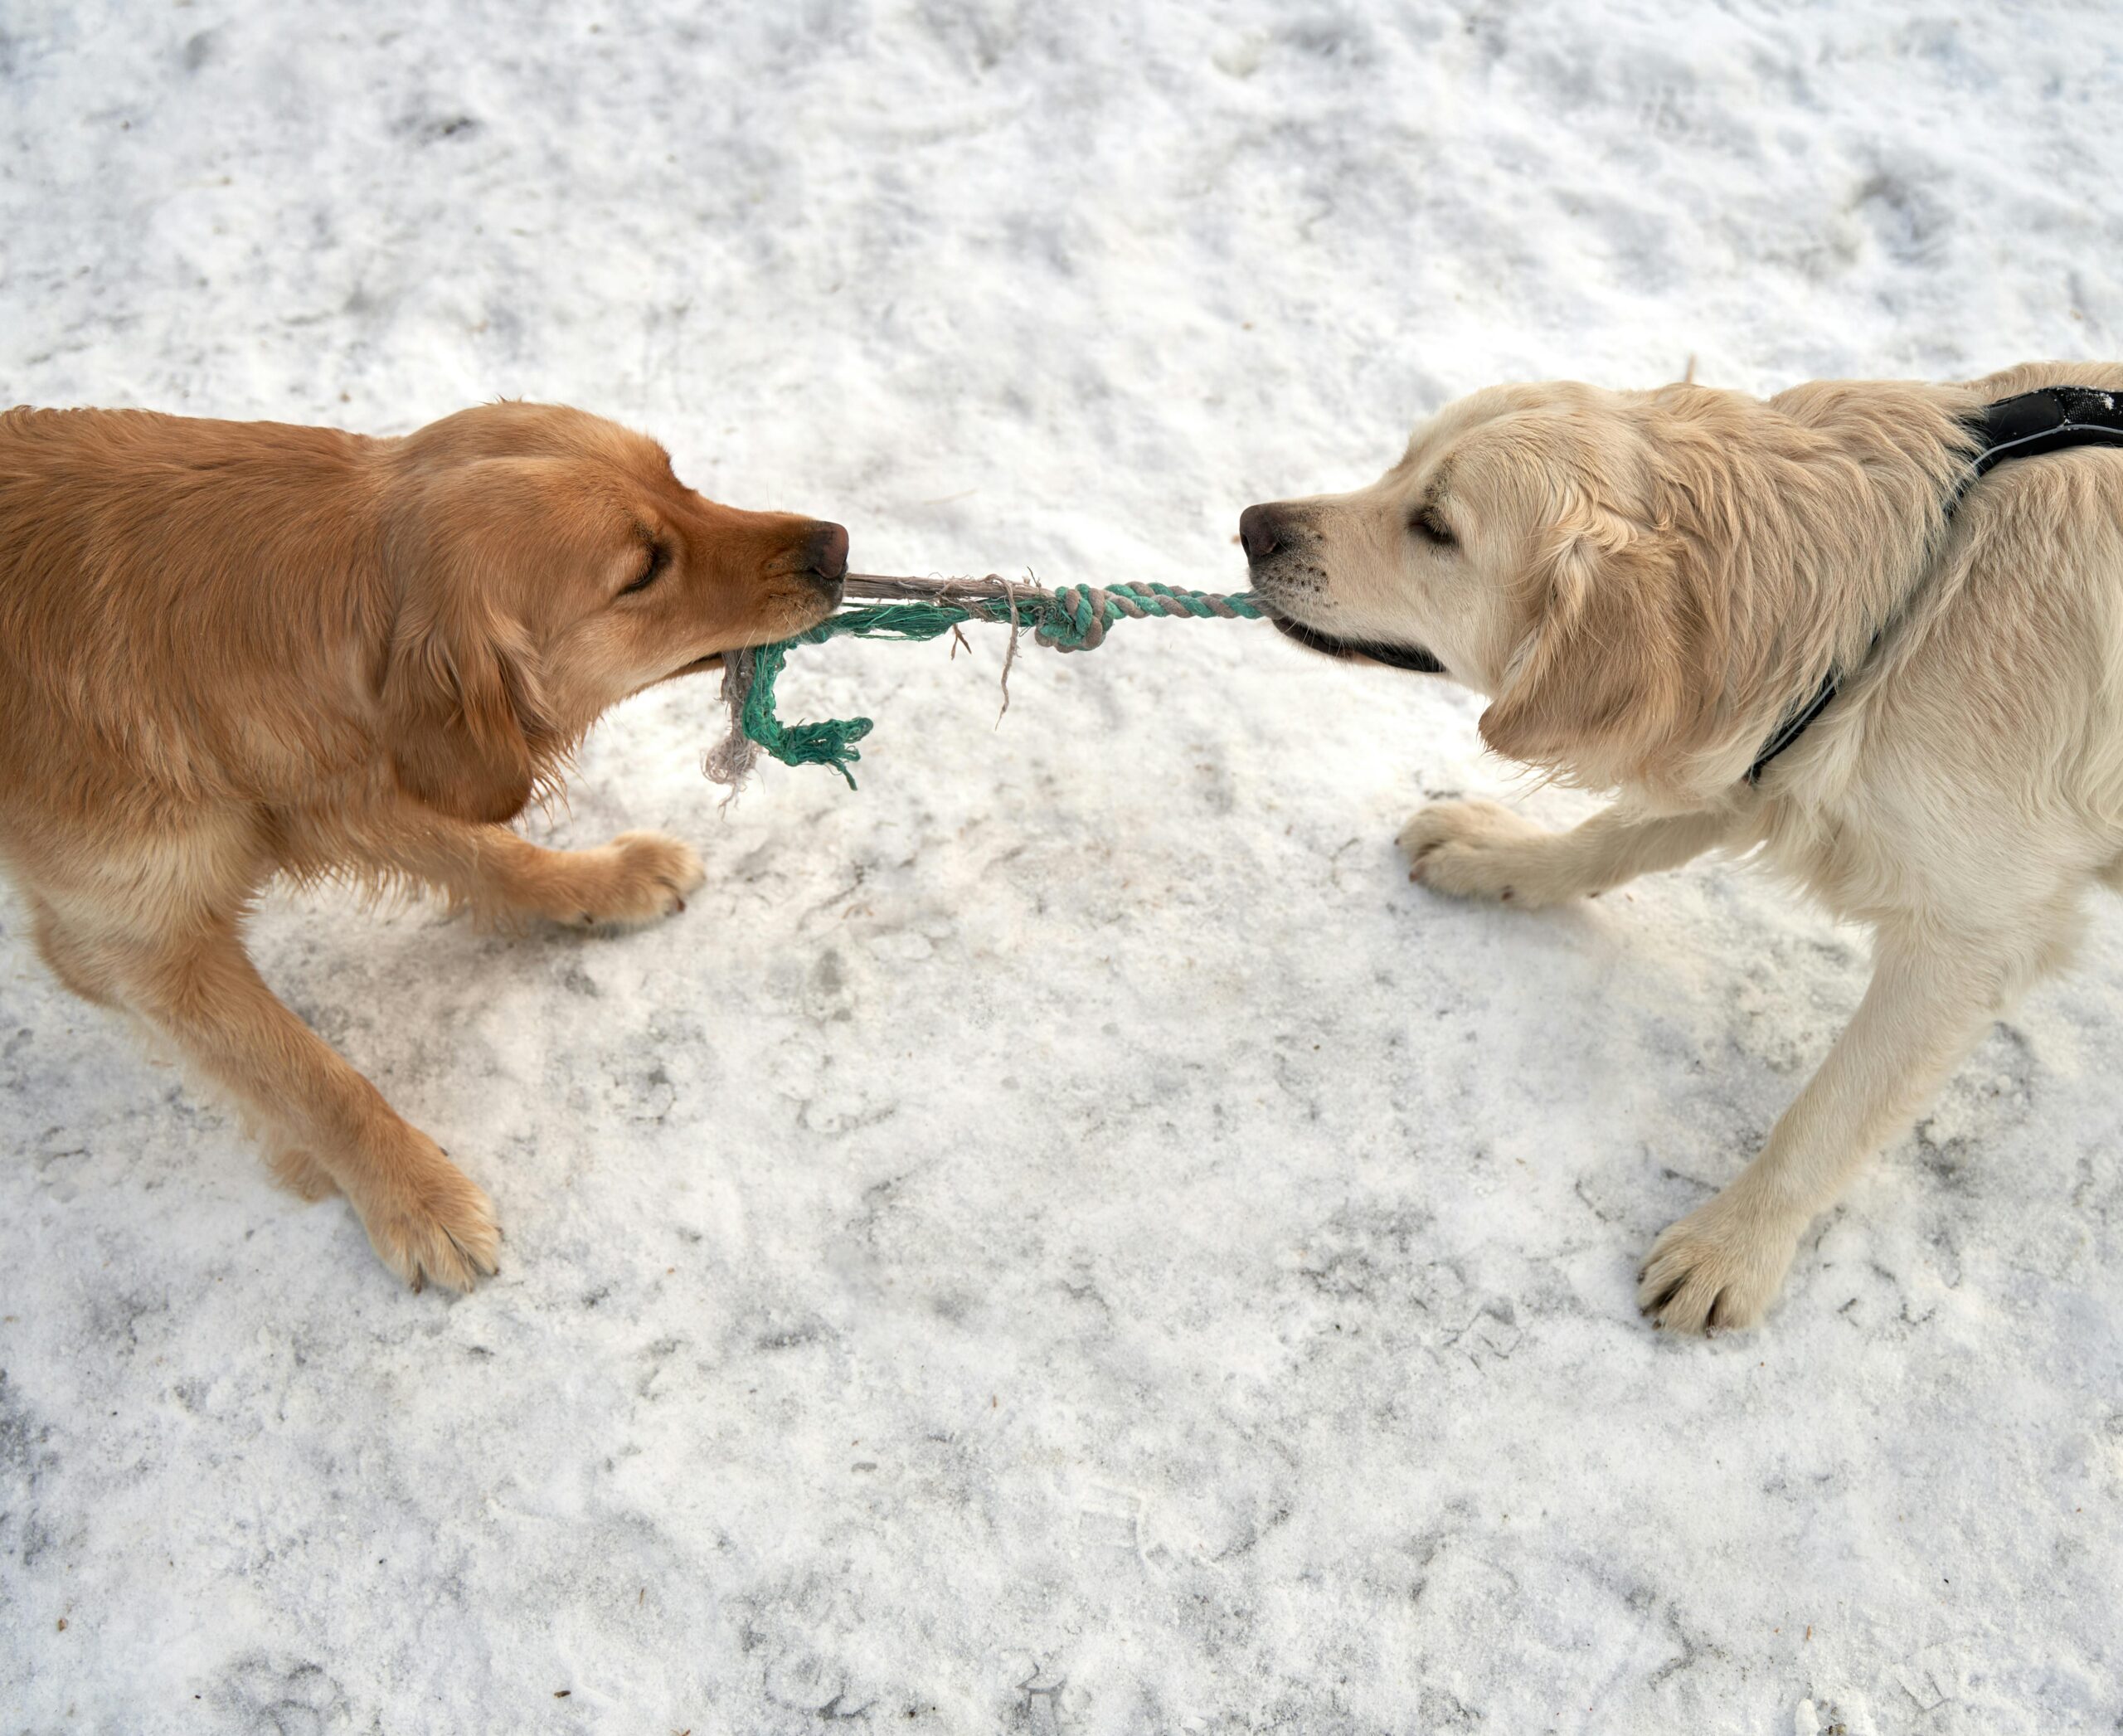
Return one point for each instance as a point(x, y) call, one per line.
point(1071, 618)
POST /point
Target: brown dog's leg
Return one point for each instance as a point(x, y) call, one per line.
point(638, 877)
point(74, 962)
point(426, 1218)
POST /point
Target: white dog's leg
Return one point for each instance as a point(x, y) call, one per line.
point(1932, 997)
point(1477, 849)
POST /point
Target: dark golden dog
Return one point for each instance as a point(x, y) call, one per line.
point(230, 650)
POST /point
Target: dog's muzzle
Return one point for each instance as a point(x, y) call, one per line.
point(1268, 530)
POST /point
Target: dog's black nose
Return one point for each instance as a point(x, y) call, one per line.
point(1261, 531)
point(825, 556)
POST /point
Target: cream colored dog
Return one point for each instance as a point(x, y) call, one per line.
point(1648, 587)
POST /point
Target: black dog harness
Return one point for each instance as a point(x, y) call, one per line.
point(2026, 427)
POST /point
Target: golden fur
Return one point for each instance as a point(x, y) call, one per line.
point(1645, 584)
point(230, 650)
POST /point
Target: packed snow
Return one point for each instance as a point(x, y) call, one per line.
point(1064, 1238)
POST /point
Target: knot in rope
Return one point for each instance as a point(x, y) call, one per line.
point(1080, 614)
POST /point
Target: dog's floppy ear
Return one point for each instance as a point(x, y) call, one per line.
point(464, 721)
point(1614, 673)
point(462, 707)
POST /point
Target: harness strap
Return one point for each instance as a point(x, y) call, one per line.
point(2026, 427)
point(2036, 422)
point(1794, 726)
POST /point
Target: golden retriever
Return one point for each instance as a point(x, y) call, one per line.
point(234, 649)
point(1651, 588)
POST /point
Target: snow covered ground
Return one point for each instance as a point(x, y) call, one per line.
point(1064, 1238)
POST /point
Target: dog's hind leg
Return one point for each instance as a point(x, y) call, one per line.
point(1477, 849)
point(425, 1217)
point(69, 957)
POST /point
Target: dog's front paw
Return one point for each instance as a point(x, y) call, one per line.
point(1475, 849)
point(638, 876)
point(1717, 1269)
point(425, 1217)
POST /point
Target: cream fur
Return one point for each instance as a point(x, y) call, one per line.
point(1643, 584)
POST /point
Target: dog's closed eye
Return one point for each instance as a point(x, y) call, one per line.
point(658, 557)
point(1429, 523)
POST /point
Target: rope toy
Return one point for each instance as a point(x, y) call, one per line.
point(1069, 618)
